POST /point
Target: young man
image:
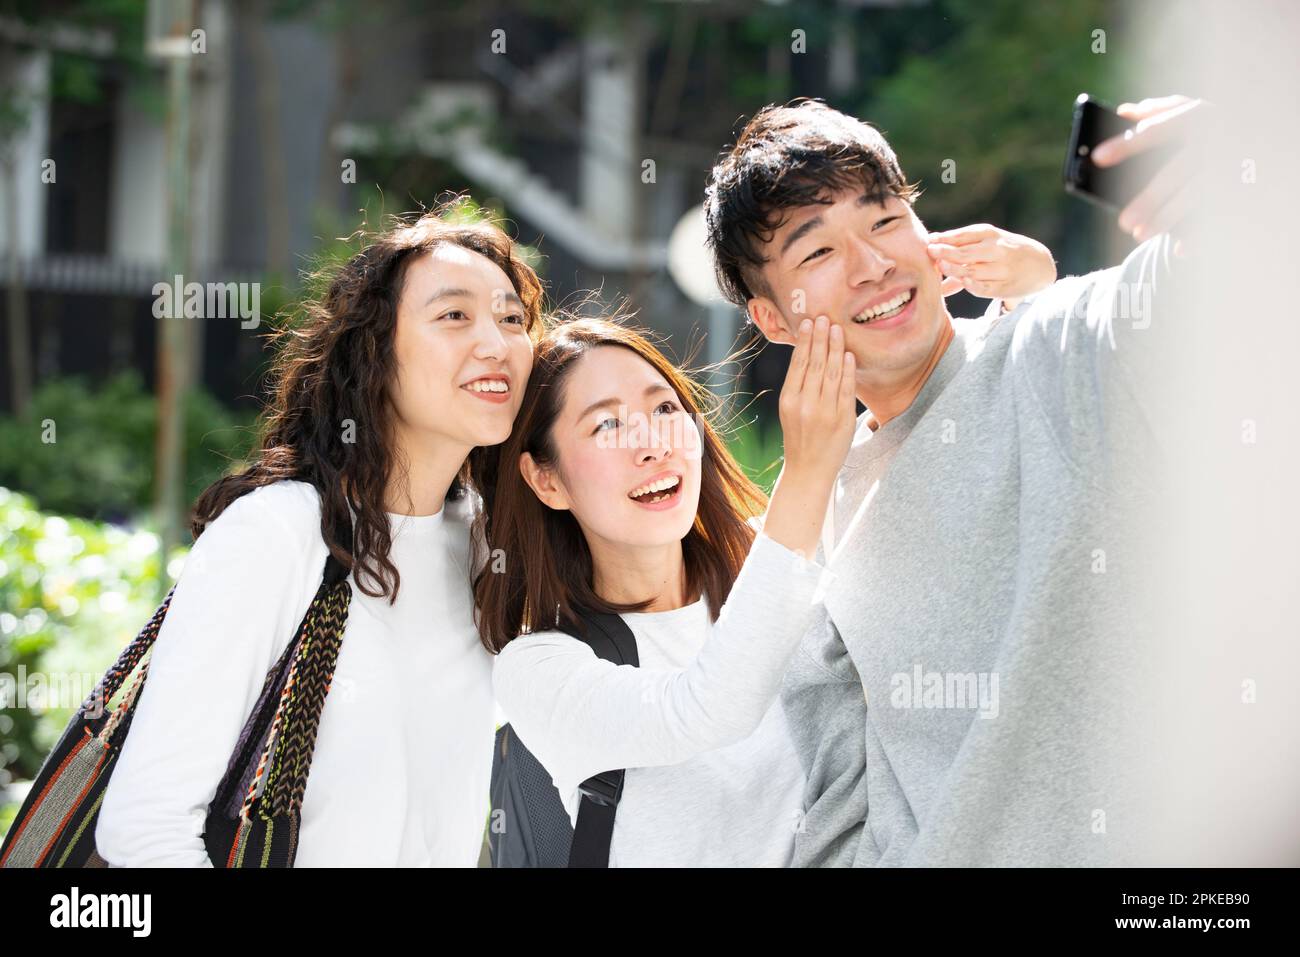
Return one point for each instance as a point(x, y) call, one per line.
point(962, 701)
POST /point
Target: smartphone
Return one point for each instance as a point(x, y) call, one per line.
point(1115, 186)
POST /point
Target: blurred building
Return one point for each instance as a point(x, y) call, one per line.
point(594, 133)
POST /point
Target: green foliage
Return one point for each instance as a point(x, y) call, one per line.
point(101, 462)
point(8, 812)
point(73, 593)
point(84, 77)
point(996, 97)
point(759, 451)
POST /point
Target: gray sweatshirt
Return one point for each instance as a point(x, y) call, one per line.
point(963, 696)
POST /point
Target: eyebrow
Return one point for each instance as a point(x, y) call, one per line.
point(456, 292)
point(615, 400)
point(816, 221)
point(808, 226)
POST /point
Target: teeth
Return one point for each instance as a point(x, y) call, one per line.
point(659, 486)
point(897, 302)
point(488, 385)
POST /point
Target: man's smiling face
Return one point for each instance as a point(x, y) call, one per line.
point(863, 263)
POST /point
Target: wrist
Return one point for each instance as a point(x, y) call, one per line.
point(797, 509)
point(804, 482)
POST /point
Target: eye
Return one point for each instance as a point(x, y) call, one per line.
point(885, 222)
point(815, 254)
point(601, 426)
point(515, 317)
point(452, 314)
point(672, 406)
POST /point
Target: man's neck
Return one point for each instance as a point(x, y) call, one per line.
point(888, 401)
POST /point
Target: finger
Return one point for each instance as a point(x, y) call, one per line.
point(989, 273)
point(1162, 118)
point(830, 384)
point(847, 395)
point(1111, 151)
point(984, 288)
point(1169, 180)
point(817, 357)
point(1148, 134)
point(799, 360)
point(964, 235)
point(957, 271)
point(1150, 106)
point(968, 272)
point(950, 285)
point(979, 252)
point(1169, 215)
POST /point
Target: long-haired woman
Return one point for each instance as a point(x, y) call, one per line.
point(414, 356)
point(616, 495)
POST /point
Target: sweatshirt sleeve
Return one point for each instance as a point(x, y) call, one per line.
point(246, 583)
point(581, 715)
point(1094, 354)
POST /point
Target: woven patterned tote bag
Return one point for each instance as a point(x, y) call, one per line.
point(253, 820)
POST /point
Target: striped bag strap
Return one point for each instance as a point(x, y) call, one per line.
point(92, 711)
point(280, 780)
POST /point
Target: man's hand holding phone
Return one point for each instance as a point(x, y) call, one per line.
point(1163, 203)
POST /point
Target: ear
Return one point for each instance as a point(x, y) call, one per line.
point(543, 483)
point(769, 320)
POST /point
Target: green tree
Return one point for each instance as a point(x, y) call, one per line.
point(994, 102)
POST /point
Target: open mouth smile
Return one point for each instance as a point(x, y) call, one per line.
point(660, 493)
point(897, 308)
point(494, 389)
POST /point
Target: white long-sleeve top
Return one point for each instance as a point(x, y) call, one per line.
point(400, 771)
point(713, 778)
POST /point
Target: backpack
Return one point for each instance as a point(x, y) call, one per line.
point(535, 829)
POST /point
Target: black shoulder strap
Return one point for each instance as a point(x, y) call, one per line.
point(611, 639)
point(335, 572)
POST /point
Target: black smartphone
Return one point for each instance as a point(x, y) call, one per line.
point(1116, 186)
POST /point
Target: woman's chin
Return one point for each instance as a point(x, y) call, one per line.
point(491, 436)
point(659, 529)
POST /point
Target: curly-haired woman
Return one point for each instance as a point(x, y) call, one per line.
point(414, 357)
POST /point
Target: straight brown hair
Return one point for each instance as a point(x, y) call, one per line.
point(539, 570)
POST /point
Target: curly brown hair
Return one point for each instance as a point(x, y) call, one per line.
point(335, 363)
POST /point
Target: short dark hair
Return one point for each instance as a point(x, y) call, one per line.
point(788, 156)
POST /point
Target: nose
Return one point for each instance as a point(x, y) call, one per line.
point(657, 453)
point(650, 443)
point(867, 263)
point(489, 342)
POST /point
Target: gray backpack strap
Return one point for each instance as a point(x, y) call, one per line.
point(529, 825)
point(611, 639)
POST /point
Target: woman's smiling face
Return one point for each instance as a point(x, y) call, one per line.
point(462, 348)
point(622, 427)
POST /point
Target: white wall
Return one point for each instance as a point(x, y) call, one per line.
point(137, 229)
point(30, 79)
